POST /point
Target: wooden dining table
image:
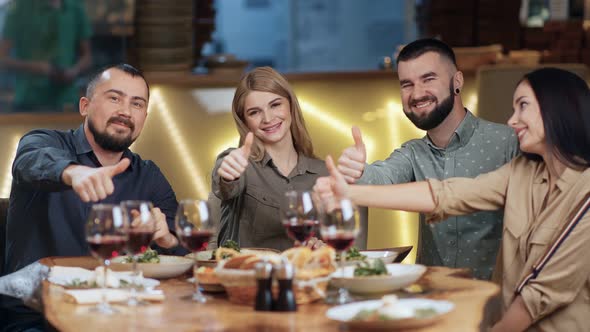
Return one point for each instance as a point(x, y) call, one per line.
point(475, 302)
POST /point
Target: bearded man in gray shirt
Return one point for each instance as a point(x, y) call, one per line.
point(457, 144)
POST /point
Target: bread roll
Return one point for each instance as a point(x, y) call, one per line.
point(249, 263)
point(237, 261)
point(298, 256)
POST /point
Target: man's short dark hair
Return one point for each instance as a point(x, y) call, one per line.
point(127, 68)
point(416, 48)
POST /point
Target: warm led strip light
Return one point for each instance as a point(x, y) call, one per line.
point(157, 101)
point(471, 103)
point(341, 127)
point(7, 182)
point(396, 120)
point(232, 142)
point(191, 167)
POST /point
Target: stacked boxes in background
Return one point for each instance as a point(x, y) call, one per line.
point(463, 23)
point(497, 22)
point(585, 51)
point(451, 21)
point(560, 41)
point(566, 41)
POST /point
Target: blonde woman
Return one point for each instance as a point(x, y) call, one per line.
point(275, 156)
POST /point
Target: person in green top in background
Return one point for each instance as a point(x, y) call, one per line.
point(46, 42)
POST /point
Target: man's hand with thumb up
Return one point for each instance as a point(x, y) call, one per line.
point(235, 163)
point(93, 184)
point(352, 161)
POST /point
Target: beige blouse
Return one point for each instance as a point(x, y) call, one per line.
point(559, 298)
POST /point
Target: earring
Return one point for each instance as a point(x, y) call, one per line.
point(457, 91)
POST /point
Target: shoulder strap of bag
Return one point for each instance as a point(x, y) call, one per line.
point(567, 229)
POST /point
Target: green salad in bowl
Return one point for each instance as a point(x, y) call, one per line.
point(148, 256)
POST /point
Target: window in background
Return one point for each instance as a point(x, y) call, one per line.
point(312, 35)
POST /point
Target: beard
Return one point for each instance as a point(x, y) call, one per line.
point(436, 116)
point(110, 142)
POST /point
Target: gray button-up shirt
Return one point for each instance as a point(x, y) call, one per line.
point(478, 146)
point(250, 204)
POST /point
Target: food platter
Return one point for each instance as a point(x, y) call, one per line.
point(346, 314)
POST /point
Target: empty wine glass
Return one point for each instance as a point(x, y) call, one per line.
point(299, 215)
point(142, 225)
point(339, 226)
point(106, 234)
point(194, 228)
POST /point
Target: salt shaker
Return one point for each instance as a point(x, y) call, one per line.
point(263, 273)
point(285, 273)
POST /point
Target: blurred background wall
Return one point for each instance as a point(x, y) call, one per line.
point(338, 55)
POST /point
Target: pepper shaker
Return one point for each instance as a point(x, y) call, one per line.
point(286, 299)
point(263, 273)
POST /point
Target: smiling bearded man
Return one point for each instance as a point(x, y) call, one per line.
point(456, 144)
point(57, 175)
point(437, 116)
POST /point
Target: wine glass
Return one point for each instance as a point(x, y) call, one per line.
point(339, 227)
point(106, 234)
point(194, 228)
point(299, 215)
point(142, 226)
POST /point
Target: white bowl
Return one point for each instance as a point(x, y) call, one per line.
point(400, 276)
point(168, 267)
point(386, 256)
point(344, 314)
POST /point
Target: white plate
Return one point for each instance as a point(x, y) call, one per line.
point(344, 314)
point(169, 266)
point(145, 282)
point(400, 276)
point(204, 257)
point(387, 256)
point(65, 276)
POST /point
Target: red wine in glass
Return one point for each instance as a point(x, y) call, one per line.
point(196, 240)
point(139, 241)
point(302, 230)
point(340, 241)
point(107, 247)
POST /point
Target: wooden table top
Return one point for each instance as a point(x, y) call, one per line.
point(472, 299)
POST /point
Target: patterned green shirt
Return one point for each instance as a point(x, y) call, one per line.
point(478, 146)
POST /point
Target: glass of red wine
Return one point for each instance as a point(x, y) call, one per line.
point(194, 228)
point(299, 214)
point(339, 226)
point(142, 225)
point(106, 235)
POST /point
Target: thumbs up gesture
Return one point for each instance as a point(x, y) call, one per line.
point(333, 186)
point(93, 184)
point(352, 161)
point(235, 163)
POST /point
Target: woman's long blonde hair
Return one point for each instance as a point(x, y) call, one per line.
point(266, 79)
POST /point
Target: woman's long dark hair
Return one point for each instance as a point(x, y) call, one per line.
point(564, 103)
